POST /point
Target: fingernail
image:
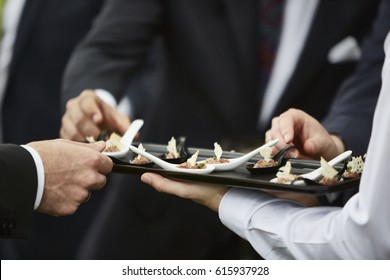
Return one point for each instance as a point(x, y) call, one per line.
point(286, 137)
point(100, 145)
point(146, 179)
point(294, 154)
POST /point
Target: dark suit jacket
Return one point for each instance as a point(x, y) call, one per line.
point(211, 66)
point(352, 111)
point(47, 34)
point(208, 92)
point(18, 187)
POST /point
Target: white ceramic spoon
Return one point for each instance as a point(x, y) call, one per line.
point(169, 166)
point(316, 174)
point(127, 139)
point(236, 162)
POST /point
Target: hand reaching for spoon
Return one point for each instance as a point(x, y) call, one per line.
point(312, 140)
point(87, 115)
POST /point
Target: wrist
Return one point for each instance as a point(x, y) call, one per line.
point(214, 200)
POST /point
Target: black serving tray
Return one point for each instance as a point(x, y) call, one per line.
point(240, 177)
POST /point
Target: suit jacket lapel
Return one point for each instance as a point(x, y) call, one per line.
point(242, 20)
point(320, 40)
point(28, 18)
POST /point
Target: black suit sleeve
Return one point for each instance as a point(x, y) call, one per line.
point(18, 187)
point(114, 48)
point(352, 111)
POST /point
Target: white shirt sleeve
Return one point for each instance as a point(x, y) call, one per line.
point(40, 174)
point(279, 228)
point(106, 96)
point(124, 106)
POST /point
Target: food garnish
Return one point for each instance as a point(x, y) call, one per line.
point(90, 139)
point(140, 159)
point(267, 160)
point(191, 163)
point(218, 153)
point(284, 175)
point(114, 144)
point(172, 149)
point(329, 173)
point(354, 167)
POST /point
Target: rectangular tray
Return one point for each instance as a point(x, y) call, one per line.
point(239, 177)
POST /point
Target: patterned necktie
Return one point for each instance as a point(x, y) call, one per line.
point(270, 20)
point(2, 5)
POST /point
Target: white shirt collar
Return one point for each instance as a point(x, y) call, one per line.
point(297, 20)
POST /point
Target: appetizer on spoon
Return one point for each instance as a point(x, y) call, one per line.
point(284, 175)
point(176, 153)
point(221, 164)
point(191, 165)
point(316, 174)
point(269, 164)
point(140, 160)
point(354, 168)
point(122, 144)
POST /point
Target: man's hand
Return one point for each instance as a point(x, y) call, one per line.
point(295, 127)
point(86, 115)
point(72, 170)
point(205, 194)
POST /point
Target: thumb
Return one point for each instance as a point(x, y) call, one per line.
point(98, 146)
point(90, 104)
point(119, 122)
point(310, 147)
point(122, 122)
point(95, 111)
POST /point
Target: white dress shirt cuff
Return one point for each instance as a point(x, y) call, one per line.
point(106, 96)
point(237, 205)
point(40, 175)
point(259, 218)
point(124, 105)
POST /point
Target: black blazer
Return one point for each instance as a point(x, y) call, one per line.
point(208, 92)
point(210, 71)
point(18, 187)
point(46, 36)
point(353, 109)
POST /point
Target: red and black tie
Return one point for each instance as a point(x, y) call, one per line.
point(270, 21)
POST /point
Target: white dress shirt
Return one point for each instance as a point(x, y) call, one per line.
point(282, 229)
point(297, 20)
point(40, 174)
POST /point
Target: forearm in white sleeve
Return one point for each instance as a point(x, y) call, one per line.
point(282, 229)
point(360, 230)
point(246, 213)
